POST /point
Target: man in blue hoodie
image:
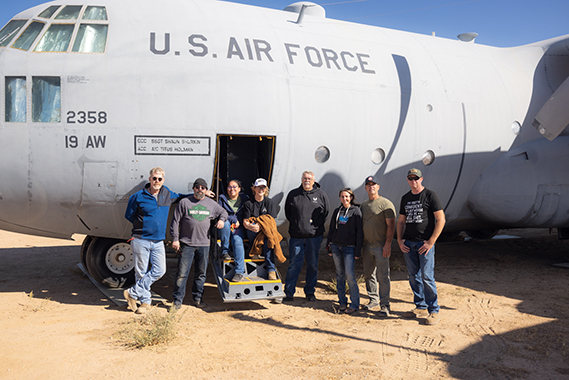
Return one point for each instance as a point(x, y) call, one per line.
point(147, 210)
point(306, 209)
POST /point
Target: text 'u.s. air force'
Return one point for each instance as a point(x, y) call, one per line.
point(262, 51)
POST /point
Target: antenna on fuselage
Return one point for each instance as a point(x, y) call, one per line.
point(301, 13)
point(305, 7)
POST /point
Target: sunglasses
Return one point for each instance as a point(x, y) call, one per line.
point(413, 178)
point(232, 187)
point(159, 179)
point(201, 187)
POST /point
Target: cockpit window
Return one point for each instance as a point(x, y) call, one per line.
point(57, 38)
point(91, 38)
point(29, 35)
point(46, 99)
point(49, 11)
point(15, 99)
point(70, 12)
point(8, 32)
point(95, 13)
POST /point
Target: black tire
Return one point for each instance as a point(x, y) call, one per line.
point(84, 247)
point(449, 237)
point(487, 233)
point(110, 262)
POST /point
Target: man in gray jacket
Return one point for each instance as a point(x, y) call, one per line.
point(190, 234)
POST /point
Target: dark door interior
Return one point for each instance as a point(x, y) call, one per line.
point(244, 158)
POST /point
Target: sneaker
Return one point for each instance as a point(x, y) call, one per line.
point(226, 257)
point(433, 319)
point(199, 303)
point(288, 299)
point(416, 313)
point(144, 307)
point(131, 301)
point(175, 307)
point(350, 311)
point(384, 311)
point(272, 275)
point(371, 305)
point(343, 307)
point(311, 298)
point(238, 277)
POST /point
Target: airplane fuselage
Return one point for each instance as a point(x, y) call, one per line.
point(341, 99)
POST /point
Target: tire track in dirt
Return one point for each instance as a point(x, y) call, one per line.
point(417, 355)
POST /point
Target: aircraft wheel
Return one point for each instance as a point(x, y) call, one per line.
point(487, 233)
point(110, 262)
point(447, 237)
point(84, 247)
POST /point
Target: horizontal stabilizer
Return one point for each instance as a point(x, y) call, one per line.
point(553, 117)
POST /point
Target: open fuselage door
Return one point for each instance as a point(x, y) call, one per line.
point(244, 158)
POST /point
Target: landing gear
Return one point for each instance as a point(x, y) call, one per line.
point(482, 234)
point(109, 261)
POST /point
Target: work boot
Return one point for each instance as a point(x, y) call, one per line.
point(433, 319)
point(144, 307)
point(131, 301)
point(416, 313)
point(272, 275)
point(384, 312)
point(371, 305)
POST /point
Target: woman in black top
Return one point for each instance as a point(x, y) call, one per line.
point(345, 239)
point(260, 205)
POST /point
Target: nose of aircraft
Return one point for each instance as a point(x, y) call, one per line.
point(526, 187)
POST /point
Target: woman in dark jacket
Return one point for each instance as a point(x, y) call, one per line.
point(233, 230)
point(345, 239)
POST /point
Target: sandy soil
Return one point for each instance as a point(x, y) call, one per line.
point(504, 316)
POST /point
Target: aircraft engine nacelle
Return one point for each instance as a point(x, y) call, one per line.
point(526, 187)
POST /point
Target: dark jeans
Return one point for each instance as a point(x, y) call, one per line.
point(185, 260)
point(300, 249)
point(421, 269)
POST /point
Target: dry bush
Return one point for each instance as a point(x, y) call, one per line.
point(151, 329)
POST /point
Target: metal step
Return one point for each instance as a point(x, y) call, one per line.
point(254, 286)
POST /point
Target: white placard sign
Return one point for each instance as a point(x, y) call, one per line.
point(172, 145)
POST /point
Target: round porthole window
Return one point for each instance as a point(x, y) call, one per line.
point(322, 154)
point(428, 157)
point(377, 156)
point(516, 128)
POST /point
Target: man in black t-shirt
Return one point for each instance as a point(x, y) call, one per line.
point(421, 221)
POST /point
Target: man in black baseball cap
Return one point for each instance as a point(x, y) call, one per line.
point(378, 214)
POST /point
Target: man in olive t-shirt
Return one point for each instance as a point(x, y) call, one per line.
point(378, 225)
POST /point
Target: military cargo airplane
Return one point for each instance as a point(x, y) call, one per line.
point(97, 93)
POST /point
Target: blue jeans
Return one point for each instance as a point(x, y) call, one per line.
point(268, 253)
point(236, 239)
point(185, 260)
point(376, 267)
point(345, 261)
point(421, 269)
point(145, 252)
point(298, 250)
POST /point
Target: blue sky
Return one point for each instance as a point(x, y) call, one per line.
point(498, 22)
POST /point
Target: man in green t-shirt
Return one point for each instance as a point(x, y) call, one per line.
point(378, 225)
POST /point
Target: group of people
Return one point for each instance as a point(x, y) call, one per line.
point(355, 231)
point(367, 231)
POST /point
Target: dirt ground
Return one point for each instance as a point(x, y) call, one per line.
point(504, 315)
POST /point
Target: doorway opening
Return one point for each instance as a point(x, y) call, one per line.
point(244, 158)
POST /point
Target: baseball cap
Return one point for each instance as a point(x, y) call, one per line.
point(200, 182)
point(260, 182)
point(416, 172)
point(370, 178)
